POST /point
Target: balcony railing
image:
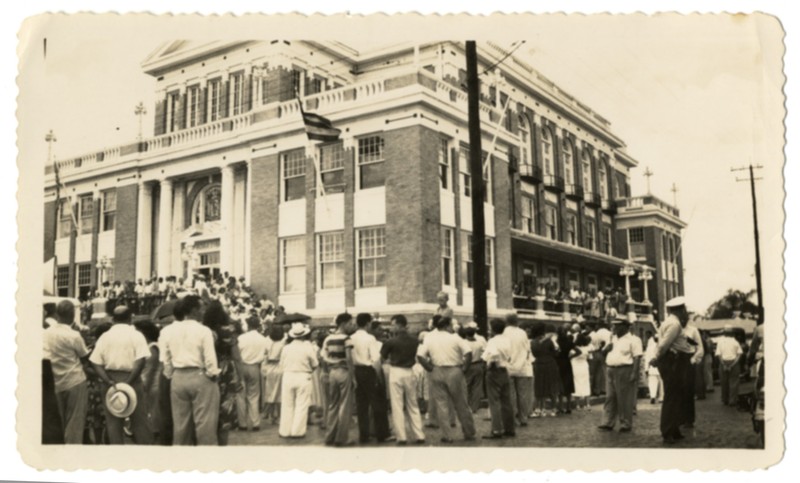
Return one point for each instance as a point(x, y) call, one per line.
point(574, 191)
point(531, 173)
point(609, 205)
point(592, 199)
point(640, 202)
point(554, 182)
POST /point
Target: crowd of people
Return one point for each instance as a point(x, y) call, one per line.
point(588, 304)
point(222, 366)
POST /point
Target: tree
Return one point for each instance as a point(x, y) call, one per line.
point(733, 303)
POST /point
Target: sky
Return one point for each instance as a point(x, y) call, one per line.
point(691, 97)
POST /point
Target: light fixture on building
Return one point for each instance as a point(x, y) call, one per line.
point(645, 276)
point(102, 265)
point(628, 271)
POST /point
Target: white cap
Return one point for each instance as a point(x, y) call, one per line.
point(471, 325)
point(675, 302)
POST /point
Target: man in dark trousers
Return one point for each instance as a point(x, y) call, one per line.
point(498, 384)
point(369, 393)
point(673, 359)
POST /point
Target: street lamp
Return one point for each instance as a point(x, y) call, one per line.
point(189, 255)
point(628, 271)
point(102, 265)
point(645, 277)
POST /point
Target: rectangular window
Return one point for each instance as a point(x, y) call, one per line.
point(371, 169)
point(606, 241)
point(636, 245)
point(547, 154)
point(572, 229)
point(371, 257)
point(84, 281)
point(293, 265)
point(574, 280)
point(469, 266)
point(193, 95)
point(86, 220)
point(62, 281)
point(447, 257)
point(551, 220)
point(331, 167)
point(314, 85)
point(529, 214)
point(294, 175)
point(264, 91)
point(590, 235)
point(237, 92)
point(297, 76)
point(636, 235)
point(109, 209)
point(215, 99)
point(108, 272)
point(331, 260)
point(65, 220)
point(444, 164)
point(554, 278)
point(466, 174)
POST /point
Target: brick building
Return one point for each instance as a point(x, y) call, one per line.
point(229, 183)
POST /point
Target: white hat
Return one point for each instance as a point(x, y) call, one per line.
point(675, 302)
point(121, 400)
point(298, 330)
point(471, 325)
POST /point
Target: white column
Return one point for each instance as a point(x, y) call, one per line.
point(179, 194)
point(144, 230)
point(227, 226)
point(248, 223)
point(165, 229)
point(239, 223)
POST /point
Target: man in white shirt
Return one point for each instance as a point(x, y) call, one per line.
point(253, 349)
point(370, 394)
point(520, 370)
point(65, 349)
point(729, 352)
point(476, 370)
point(119, 356)
point(497, 356)
point(622, 361)
point(601, 336)
point(189, 356)
point(298, 360)
point(446, 356)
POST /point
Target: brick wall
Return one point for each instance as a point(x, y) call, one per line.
point(264, 226)
point(412, 215)
point(125, 232)
point(49, 230)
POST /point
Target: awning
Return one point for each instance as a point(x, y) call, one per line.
point(535, 246)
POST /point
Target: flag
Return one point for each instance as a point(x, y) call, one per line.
point(319, 128)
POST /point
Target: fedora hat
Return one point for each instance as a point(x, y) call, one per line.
point(121, 400)
point(298, 330)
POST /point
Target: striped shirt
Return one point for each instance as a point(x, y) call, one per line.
point(334, 349)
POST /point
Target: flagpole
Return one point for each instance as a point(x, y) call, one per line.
point(50, 138)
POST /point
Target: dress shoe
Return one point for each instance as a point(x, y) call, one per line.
point(401, 442)
point(603, 427)
point(419, 442)
point(625, 430)
point(447, 440)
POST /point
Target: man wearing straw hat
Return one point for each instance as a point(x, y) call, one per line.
point(298, 361)
point(119, 358)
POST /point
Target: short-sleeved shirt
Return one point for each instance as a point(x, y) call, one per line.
point(600, 337)
point(671, 337)
point(64, 347)
point(444, 349)
point(498, 351)
point(274, 349)
point(119, 348)
point(252, 347)
point(299, 356)
point(401, 351)
point(188, 344)
point(478, 346)
point(521, 356)
point(624, 350)
point(728, 348)
point(366, 350)
point(334, 349)
point(692, 333)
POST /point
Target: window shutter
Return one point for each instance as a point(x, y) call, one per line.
point(223, 91)
point(454, 171)
point(160, 118)
point(202, 114)
point(536, 152)
point(181, 114)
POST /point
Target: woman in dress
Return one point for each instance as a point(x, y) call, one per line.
point(225, 345)
point(565, 345)
point(545, 370)
point(580, 370)
point(271, 373)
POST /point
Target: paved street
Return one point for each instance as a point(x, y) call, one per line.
point(717, 427)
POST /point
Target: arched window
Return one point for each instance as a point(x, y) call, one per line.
point(586, 169)
point(206, 205)
point(601, 183)
point(523, 142)
point(569, 168)
point(547, 153)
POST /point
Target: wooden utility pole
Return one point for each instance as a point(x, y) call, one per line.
point(477, 187)
point(755, 234)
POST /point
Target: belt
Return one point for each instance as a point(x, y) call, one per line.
point(446, 367)
point(619, 366)
point(186, 369)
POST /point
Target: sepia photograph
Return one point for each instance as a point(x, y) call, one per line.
point(565, 234)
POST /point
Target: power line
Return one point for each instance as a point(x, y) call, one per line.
point(753, 180)
point(509, 54)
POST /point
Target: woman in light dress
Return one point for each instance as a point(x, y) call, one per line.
point(272, 374)
point(580, 371)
